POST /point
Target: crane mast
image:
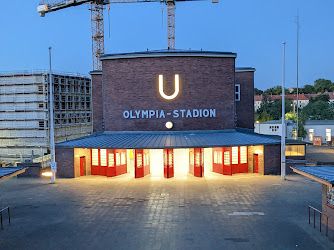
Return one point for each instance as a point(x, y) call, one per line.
point(96, 9)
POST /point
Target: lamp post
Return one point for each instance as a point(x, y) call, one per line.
point(53, 163)
point(283, 118)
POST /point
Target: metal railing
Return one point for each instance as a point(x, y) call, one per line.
point(1, 216)
point(320, 217)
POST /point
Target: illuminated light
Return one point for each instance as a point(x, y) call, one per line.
point(47, 174)
point(76, 156)
point(176, 85)
point(257, 121)
point(169, 125)
point(258, 151)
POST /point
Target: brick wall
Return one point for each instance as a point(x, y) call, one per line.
point(245, 107)
point(272, 159)
point(65, 162)
point(97, 100)
point(132, 84)
point(327, 209)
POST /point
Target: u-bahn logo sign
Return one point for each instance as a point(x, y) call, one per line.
point(176, 86)
point(176, 113)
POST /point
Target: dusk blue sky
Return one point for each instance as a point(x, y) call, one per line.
point(254, 30)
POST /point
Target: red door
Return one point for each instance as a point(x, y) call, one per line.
point(199, 162)
point(146, 161)
point(256, 163)
point(121, 165)
point(168, 163)
point(217, 165)
point(191, 161)
point(82, 166)
point(227, 162)
point(111, 170)
point(139, 169)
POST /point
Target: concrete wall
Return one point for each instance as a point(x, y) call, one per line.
point(78, 153)
point(132, 84)
point(255, 150)
point(264, 128)
point(319, 130)
point(244, 107)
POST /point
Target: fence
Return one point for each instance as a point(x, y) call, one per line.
point(1, 216)
point(320, 217)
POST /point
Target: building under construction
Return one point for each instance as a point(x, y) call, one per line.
point(24, 112)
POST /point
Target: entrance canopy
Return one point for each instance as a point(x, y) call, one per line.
point(322, 174)
point(169, 139)
point(9, 172)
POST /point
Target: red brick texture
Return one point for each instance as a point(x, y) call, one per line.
point(245, 107)
point(97, 100)
point(132, 84)
point(65, 162)
point(327, 209)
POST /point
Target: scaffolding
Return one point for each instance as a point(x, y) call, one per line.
point(24, 112)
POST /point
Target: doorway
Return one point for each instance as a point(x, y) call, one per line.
point(256, 163)
point(82, 166)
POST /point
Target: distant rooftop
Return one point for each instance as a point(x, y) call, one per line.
point(323, 174)
point(40, 72)
point(168, 53)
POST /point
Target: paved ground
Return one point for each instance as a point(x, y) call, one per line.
point(189, 213)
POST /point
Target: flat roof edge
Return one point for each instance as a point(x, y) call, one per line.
point(244, 69)
point(168, 54)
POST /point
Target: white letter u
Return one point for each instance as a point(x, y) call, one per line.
point(161, 87)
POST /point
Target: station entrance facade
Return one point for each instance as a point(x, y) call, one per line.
point(169, 162)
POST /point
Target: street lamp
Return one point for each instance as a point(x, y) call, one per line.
point(283, 118)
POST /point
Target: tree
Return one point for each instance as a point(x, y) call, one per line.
point(301, 123)
point(275, 108)
point(319, 110)
point(322, 97)
point(257, 91)
point(308, 89)
point(322, 85)
point(276, 90)
point(292, 116)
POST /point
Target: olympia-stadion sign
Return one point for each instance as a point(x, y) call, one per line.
point(176, 113)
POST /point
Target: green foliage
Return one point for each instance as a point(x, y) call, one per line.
point(301, 123)
point(292, 116)
point(318, 110)
point(308, 89)
point(257, 91)
point(273, 109)
point(322, 97)
point(322, 85)
point(276, 90)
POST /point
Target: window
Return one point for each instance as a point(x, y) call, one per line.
point(237, 92)
point(197, 159)
point(41, 105)
point(123, 158)
point(227, 159)
point(295, 150)
point(218, 157)
point(41, 124)
point(243, 155)
point(235, 156)
point(139, 159)
point(146, 159)
point(103, 157)
point(111, 160)
point(274, 128)
point(95, 157)
point(170, 159)
point(118, 159)
point(328, 134)
point(330, 195)
point(311, 134)
point(191, 161)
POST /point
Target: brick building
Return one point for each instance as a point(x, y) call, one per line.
point(171, 113)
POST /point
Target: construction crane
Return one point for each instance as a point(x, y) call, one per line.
point(96, 9)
